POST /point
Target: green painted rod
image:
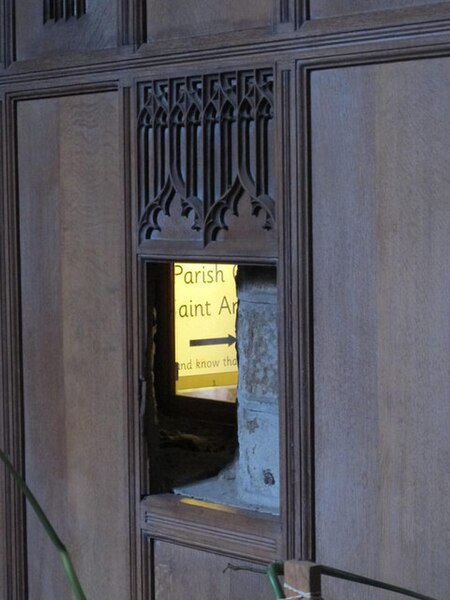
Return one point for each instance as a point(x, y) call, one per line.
point(273, 572)
point(277, 569)
point(62, 550)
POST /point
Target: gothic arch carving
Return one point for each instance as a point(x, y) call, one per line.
point(206, 142)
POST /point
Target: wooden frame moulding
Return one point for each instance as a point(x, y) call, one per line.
point(295, 343)
point(212, 527)
point(302, 338)
point(243, 533)
point(396, 28)
point(14, 505)
point(10, 317)
point(125, 92)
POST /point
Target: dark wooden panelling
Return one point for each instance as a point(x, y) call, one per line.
point(3, 550)
point(189, 574)
point(201, 17)
point(74, 339)
point(381, 241)
point(339, 8)
point(239, 35)
point(96, 29)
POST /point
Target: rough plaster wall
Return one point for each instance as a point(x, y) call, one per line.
point(258, 479)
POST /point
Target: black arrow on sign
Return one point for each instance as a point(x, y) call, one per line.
point(213, 341)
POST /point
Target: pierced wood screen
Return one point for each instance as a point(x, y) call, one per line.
point(55, 10)
point(205, 142)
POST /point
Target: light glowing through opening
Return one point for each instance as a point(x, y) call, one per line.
point(205, 330)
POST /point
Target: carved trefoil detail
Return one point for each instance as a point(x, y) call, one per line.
point(205, 142)
point(57, 10)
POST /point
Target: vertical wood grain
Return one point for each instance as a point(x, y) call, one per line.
point(74, 339)
point(381, 231)
point(191, 574)
point(201, 17)
point(34, 38)
point(3, 549)
point(336, 8)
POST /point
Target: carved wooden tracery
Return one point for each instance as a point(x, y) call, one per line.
point(55, 10)
point(205, 142)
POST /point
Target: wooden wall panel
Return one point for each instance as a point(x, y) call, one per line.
point(74, 339)
point(190, 574)
point(37, 36)
point(3, 552)
point(2, 532)
point(2, 35)
point(2, 386)
point(2, 510)
point(201, 17)
point(381, 242)
point(338, 8)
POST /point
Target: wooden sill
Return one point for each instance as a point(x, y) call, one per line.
point(214, 527)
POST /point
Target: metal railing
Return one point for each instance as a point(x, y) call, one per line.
point(304, 578)
point(49, 529)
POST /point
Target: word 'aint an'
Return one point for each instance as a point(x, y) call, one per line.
point(203, 309)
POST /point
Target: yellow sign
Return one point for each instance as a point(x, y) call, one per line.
point(205, 325)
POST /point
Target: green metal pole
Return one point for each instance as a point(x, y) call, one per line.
point(331, 572)
point(277, 569)
point(274, 571)
point(54, 538)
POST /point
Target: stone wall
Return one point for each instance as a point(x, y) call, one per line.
point(258, 424)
